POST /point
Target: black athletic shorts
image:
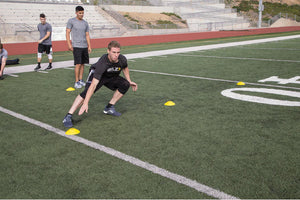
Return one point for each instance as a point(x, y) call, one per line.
point(44, 48)
point(114, 83)
point(81, 55)
point(10, 62)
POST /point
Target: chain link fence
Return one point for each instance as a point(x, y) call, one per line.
point(283, 15)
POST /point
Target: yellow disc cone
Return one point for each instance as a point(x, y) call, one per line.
point(169, 103)
point(70, 89)
point(241, 83)
point(72, 131)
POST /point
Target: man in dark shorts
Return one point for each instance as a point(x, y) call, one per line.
point(104, 72)
point(81, 45)
point(4, 61)
point(45, 43)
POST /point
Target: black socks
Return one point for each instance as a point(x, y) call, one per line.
point(109, 105)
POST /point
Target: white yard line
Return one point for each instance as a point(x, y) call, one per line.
point(135, 161)
point(30, 68)
point(275, 49)
point(238, 58)
point(64, 64)
point(207, 47)
point(13, 75)
point(213, 79)
point(43, 72)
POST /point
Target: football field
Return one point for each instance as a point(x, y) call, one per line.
point(220, 139)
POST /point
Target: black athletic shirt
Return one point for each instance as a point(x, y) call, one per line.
point(103, 67)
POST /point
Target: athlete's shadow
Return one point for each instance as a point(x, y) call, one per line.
point(77, 121)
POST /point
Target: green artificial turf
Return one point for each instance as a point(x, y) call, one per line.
point(245, 149)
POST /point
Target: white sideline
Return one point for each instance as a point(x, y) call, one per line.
point(64, 64)
point(135, 161)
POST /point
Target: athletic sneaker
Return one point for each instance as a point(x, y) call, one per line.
point(111, 111)
point(37, 68)
point(49, 67)
point(82, 83)
point(68, 121)
point(77, 85)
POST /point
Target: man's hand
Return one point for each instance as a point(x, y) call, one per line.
point(70, 47)
point(84, 108)
point(134, 86)
point(40, 41)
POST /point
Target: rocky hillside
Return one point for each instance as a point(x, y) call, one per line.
point(272, 8)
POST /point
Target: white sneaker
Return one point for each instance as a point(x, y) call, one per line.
point(77, 85)
point(81, 82)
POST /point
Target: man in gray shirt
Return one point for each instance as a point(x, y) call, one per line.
point(45, 43)
point(81, 45)
point(3, 58)
point(4, 61)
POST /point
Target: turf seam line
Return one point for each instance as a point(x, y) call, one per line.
point(212, 79)
point(70, 68)
point(137, 162)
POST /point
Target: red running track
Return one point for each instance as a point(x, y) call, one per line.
point(31, 47)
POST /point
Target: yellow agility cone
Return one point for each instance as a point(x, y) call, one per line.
point(169, 103)
point(70, 89)
point(240, 83)
point(72, 131)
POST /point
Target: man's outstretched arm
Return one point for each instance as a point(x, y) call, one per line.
point(90, 92)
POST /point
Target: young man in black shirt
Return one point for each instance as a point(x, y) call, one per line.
point(105, 72)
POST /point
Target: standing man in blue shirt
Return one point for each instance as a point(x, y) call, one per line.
point(45, 43)
point(81, 45)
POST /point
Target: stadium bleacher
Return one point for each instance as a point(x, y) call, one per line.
point(22, 18)
point(19, 19)
point(207, 15)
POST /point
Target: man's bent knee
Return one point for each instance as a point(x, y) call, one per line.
point(124, 87)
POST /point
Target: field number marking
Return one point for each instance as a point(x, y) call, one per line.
point(295, 80)
point(231, 93)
